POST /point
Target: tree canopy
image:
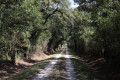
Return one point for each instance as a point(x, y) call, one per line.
point(92, 27)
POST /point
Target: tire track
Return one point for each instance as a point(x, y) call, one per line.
point(42, 75)
point(69, 68)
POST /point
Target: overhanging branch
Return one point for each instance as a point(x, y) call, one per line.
point(56, 10)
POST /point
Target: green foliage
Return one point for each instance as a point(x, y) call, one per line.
point(93, 27)
point(99, 31)
point(81, 32)
point(24, 24)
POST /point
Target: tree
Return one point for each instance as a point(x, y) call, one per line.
point(24, 24)
point(105, 19)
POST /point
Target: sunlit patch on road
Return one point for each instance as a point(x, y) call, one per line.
point(42, 75)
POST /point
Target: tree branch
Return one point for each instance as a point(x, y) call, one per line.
point(56, 10)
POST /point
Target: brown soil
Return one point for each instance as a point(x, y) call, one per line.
point(7, 69)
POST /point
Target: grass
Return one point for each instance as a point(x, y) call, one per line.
point(83, 72)
point(59, 70)
point(29, 72)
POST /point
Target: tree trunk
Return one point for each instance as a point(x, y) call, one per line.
point(13, 60)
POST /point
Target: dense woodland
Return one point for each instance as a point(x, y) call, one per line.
point(93, 28)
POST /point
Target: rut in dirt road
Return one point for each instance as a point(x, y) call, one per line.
point(69, 68)
point(42, 75)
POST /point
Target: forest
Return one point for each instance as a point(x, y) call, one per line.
point(92, 29)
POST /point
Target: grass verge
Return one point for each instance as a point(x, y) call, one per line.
point(29, 72)
point(83, 72)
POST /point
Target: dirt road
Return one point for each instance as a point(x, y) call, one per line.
point(59, 68)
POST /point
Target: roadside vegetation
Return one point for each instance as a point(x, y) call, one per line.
point(31, 71)
point(83, 71)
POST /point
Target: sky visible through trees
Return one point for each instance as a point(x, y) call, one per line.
point(73, 4)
